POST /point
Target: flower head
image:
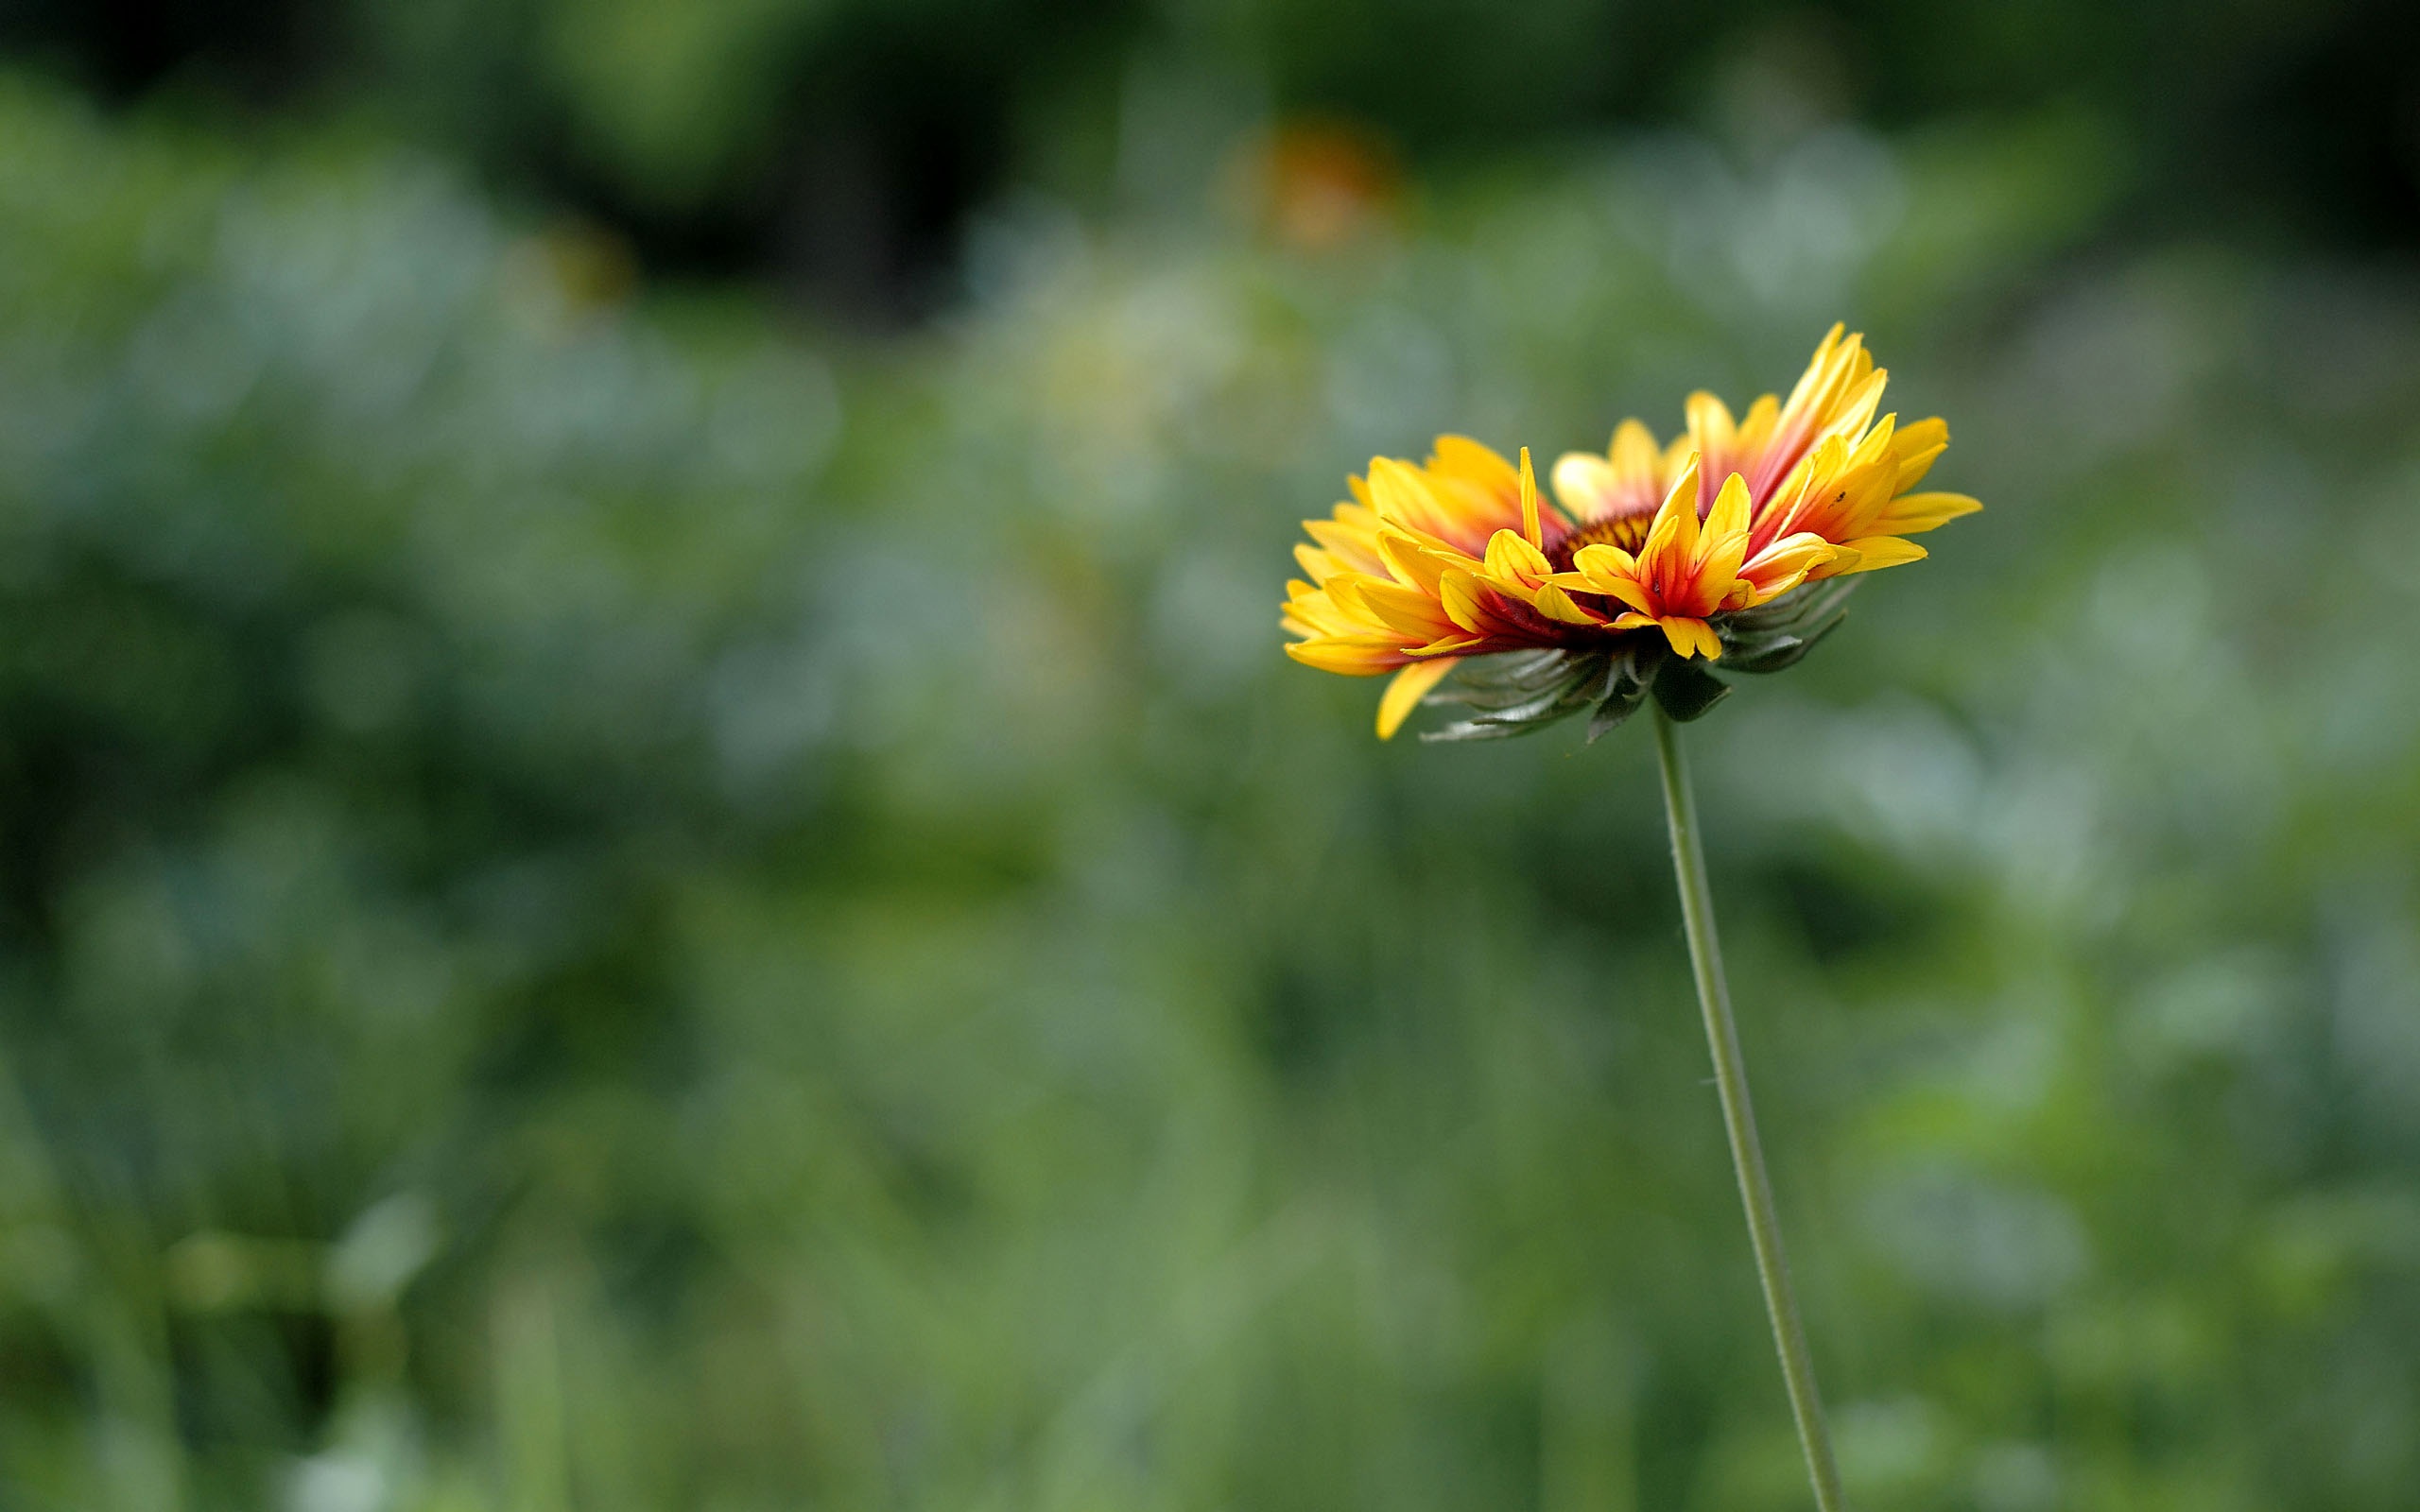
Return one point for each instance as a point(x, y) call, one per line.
point(1649, 562)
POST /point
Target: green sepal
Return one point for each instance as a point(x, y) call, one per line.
point(1685, 689)
point(1523, 692)
point(1779, 634)
point(1518, 693)
point(1626, 683)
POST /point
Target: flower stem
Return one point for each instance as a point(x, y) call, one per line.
point(1739, 1119)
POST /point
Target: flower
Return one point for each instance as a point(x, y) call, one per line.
point(1651, 561)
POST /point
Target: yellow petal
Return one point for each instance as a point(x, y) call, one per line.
point(1916, 446)
point(1877, 551)
point(1877, 444)
point(1408, 610)
point(1676, 531)
point(1785, 564)
point(1459, 593)
point(1724, 539)
point(1855, 409)
point(1530, 502)
point(1461, 457)
point(1586, 486)
point(1915, 513)
point(1756, 426)
point(1317, 615)
point(1351, 546)
point(1410, 560)
point(1627, 591)
point(1401, 496)
point(1606, 561)
point(1690, 636)
point(1711, 430)
point(1818, 368)
point(1343, 590)
point(1354, 658)
point(1403, 695)
point(1555, 603)
point(1729, 515)
point(1511, 560)
point(1635, 456)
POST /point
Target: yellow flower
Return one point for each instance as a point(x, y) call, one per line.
point(1643, 548)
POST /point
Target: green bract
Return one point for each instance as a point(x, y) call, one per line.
point(1522, 691)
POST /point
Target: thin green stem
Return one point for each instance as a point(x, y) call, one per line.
point(1739, 1119)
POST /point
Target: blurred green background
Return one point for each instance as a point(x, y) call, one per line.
point(654, 851)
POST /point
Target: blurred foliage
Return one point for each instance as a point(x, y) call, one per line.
point(839, 145)
point(608, 902)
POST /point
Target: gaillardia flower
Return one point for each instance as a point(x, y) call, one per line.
point(1650, 563)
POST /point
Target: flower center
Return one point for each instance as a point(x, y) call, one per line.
point(1628, 531)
